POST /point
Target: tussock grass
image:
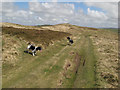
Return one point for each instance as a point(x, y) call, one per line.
point(36, 36)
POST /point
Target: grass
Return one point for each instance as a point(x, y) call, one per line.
point(36, 36)
point(112, 30)
point(27, 64)
point(3, 43)
point(86, 74)
point(46, 70)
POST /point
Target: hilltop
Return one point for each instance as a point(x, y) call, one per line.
point(58, 27)
point(91, 62)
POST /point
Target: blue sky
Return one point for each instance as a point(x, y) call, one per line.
point(25, 6)
point(22, 5)
point(77, 13)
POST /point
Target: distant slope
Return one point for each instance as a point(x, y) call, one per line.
point(5, 24)
point(65, 27)
point(111, 29)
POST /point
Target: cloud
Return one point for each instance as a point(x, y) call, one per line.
point(100, 0)
point(55, 13)
point(60, 0)
point(8, 7)
point(7, 0)
point(51, 8)
point(111, 12)
point(52, 12)
point(111, 8)
point(10, 10)
point(96, 14)
point(54, 0)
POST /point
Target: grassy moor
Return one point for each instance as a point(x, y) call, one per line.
point(90, 62)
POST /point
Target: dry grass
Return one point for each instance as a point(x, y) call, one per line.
point(10, 49)
point(36, 36)
point(106, 43)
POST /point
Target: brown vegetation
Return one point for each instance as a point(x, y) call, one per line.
point(77, 63)
point(106, 43)
point(36, 36)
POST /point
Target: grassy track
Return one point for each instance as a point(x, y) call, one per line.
point(85, 77)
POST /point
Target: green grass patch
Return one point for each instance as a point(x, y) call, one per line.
point(85, 77)
point(112, 30)
point(3, 43)
point(54, 69)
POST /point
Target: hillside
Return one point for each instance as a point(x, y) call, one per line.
point(91, 62)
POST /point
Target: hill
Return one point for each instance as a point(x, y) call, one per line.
point(91, 62)
point(44, 37)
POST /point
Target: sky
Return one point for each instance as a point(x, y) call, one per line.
point(90, 14)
